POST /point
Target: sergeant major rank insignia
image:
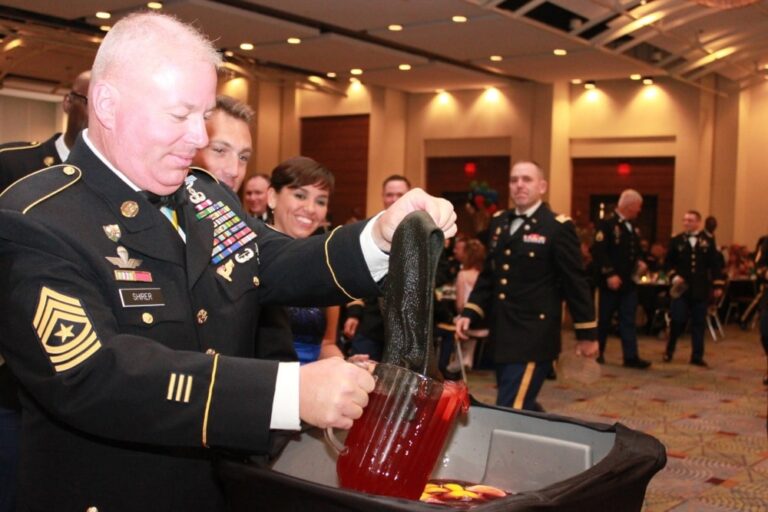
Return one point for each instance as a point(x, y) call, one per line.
point(64, 329)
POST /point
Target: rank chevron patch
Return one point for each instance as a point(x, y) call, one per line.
point(64, 329)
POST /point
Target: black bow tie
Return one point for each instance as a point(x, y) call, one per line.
point(172, 201)
point(514, 215)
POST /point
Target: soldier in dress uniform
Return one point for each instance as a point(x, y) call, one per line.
point(18, 159)
point(694, 267)
point(533, 263)
point(761, 268)
point(132, 290)
point(616, 253)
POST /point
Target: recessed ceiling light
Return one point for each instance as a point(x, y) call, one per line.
point(647, 81)
point(635, 76)
point(576, 81)
point(229, 53)
point(315, 79)
point(330, 74)
point(590, 84)
point(354, 80)
point(497, 58)
point(439, 91)
point(103, 15)
point(404, 67)
point(155, 5)
point(105, 28)
point(560, 52)
point(356, 71)
point(459, 19)
point(395, 27)
point(246, 46)
point(293, 40)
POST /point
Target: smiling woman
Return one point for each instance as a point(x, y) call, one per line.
point(298, 199)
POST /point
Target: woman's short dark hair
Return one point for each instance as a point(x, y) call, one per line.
point(301, 171)
point(474, 254)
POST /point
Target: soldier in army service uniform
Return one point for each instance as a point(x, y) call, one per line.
point(616, 253)
point(694, 266)
point(133, 288)
point(18, 159)
point(533, 263)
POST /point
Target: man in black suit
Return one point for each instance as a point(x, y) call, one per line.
point(694, 267)
point(533, 263)
point(132, 295)
point(17, 159)
point(617, 256)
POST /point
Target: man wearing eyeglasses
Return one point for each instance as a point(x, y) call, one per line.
point(17, 159)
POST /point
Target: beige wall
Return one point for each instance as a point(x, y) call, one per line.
point(750, 205)
point(717, 141)
point(29, 116)
point(467, 116)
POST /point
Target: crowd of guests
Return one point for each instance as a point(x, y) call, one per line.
point(131, 394)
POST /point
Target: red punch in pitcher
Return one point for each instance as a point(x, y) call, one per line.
point(392, 449)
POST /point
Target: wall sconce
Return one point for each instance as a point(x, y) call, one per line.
point(590, 84)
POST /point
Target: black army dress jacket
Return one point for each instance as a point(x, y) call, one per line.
point(699, 265)
point(616, 250)
point(133, 349)
point(17, 159)
point(524, 280)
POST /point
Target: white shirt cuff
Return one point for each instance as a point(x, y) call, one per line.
point(285, 405)
point(376, 259)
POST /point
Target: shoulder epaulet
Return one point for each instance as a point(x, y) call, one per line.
point(195, 170)
point(27, 192)
point(499, 213)
point(14, 146)
point(562, 218)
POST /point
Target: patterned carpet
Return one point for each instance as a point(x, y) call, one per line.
point(712, 421)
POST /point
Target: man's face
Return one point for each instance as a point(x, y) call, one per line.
point(159, 122)
point(393, 191)
point(632, 210)
point(75, 105)
point(228, 149)
point(256, 195)
point(691, 222)
point(526, 185)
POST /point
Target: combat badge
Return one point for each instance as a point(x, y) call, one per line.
point(112, 231)
point(123, 260)
point(64, 330)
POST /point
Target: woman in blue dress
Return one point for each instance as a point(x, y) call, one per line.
point(298, 197)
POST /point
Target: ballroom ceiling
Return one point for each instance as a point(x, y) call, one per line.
point(45, 43)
